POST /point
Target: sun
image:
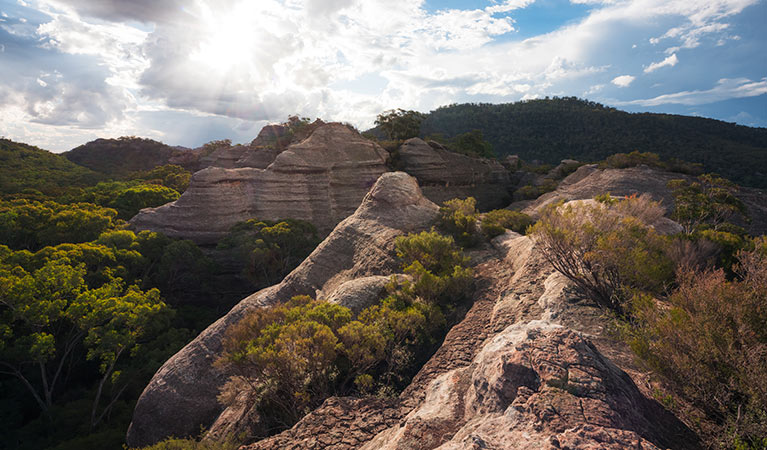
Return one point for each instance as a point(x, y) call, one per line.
point(229, 38)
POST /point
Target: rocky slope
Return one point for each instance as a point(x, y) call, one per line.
point(529, 364)
point(120, 157)
point(182, 395)
point(321, 179)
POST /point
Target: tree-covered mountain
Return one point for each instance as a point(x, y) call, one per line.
point(128, 154)
point(24, 166)
point(550, 130)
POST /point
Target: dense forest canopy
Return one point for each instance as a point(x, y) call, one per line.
point(551, 130)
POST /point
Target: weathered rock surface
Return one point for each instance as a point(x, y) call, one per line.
point(444, 175)
point(321, 179)
point(182, 395)
point(528, 367)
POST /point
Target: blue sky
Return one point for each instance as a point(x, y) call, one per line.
point(187, 72)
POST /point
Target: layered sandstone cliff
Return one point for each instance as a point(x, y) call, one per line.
point(444, 175)
point(321, 179)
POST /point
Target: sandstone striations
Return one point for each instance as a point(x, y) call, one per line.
point(182, 395)
point(321, 179)
point(444, 175)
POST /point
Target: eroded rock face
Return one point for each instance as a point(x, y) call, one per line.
point(528, 367)
point(534, 385)
point(321, 179)
point(444, 175)
point(181, 396)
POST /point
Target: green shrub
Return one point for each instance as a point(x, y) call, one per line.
point(459, 219)
point(293, 356)
point(497, 221)
point(192, 444)
point(605, 248)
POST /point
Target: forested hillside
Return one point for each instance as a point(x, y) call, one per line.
point(25, 166)
point(554, 129)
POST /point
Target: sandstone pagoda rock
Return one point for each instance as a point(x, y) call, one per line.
point(444, 175)
point(181, 396)
point(321, 179)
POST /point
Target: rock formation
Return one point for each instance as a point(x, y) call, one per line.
point(528, 367)
point(444, 175)
point(321, 179)
point(182, 395)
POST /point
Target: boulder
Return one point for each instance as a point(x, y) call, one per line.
point(181, 397)
point(321, 179)
point(444, 175)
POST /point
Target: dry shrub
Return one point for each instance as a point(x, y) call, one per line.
point(710, 339)
point(604, 247)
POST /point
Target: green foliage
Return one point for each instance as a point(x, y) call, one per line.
point(130, 201)
point(30, 225)
point(399, 124)
point(530, 192)
point(551, 130)
point(471, 143)
point(45, 315)
point(192, 444)
point(710, 201)
point(495, 222)
point(605, 248)
point(459, 218)
point(24, 167)
point(293, 356)
point(636, 158)
point(270, 250)
point(168, 175)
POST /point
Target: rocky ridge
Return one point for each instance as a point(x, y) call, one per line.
point(530, 362)
point(182, 395)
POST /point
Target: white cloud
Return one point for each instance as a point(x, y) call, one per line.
point(724, 89)
point(263, 60)
point(670, 61)
point(623, 80)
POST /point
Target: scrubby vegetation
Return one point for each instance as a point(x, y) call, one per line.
point(496, 222)
point(294, 355)
point(691, 304)
point(461, 219)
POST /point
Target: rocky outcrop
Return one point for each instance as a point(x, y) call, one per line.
point(530, 366)
point(444, 175)
point(120, 157)
point(181, 396)
point(321, 179)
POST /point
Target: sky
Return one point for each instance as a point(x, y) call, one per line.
point(188, 72)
